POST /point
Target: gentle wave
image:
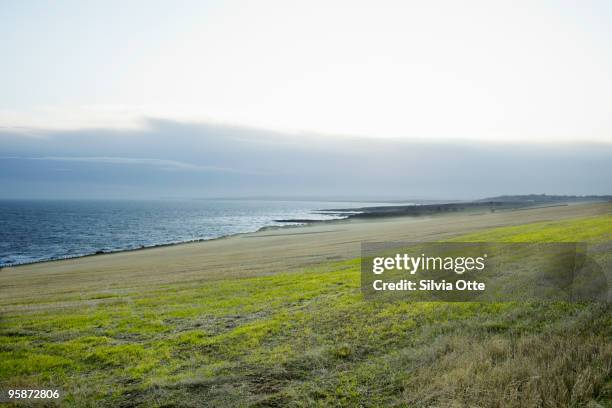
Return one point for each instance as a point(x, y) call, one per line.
point(37, 230)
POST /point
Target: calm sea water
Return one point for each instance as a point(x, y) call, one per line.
point(41, 230)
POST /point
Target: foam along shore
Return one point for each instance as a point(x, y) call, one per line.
point(264, 252)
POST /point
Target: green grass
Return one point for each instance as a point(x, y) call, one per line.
point(309, 339)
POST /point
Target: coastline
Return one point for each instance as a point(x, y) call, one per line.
point(169, 244)
point(262, 253)
point(347, 214)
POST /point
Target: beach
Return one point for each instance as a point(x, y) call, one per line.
point(247, 255)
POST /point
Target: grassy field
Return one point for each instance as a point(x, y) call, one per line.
point(308, 338)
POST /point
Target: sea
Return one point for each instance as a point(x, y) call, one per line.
point(42, 230)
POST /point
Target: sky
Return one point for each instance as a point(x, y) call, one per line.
point(189, 98)
point(171, 159)
point(421, 69)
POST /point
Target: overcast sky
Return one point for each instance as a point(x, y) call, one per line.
point(406, 99)
point(530, 70)
point(186, 160)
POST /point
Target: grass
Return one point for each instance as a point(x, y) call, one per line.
point(309, 339)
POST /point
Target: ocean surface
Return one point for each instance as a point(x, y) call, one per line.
point(39, 230)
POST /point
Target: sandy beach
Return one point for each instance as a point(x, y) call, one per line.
point(246, 255)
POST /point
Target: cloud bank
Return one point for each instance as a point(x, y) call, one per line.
point(199, 160)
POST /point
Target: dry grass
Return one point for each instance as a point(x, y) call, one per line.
point(562, 367)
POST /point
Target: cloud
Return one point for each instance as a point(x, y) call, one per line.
point(161, 163)
point(187, 159)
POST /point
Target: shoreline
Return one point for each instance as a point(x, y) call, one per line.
point(162, 245)
point(263, 253)
point(352, 214)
